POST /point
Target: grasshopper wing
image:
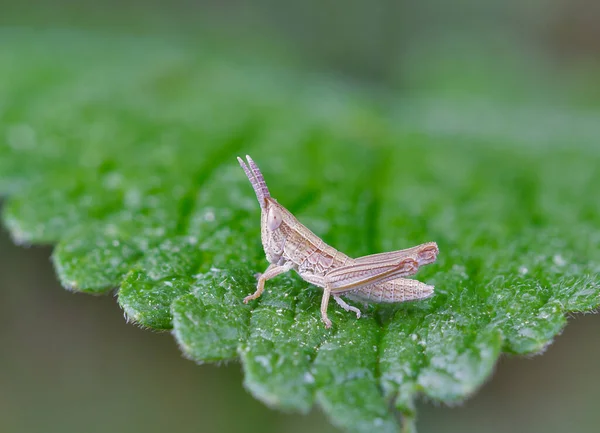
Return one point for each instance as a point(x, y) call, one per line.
point(357, 275)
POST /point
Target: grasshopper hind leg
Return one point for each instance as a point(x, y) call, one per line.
point(346, 307)
point(325, 302)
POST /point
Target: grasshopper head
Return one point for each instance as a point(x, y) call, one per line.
point(272, 220)
point(272, 213)
point(274, 216)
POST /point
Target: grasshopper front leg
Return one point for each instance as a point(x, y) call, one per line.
point(272, 271)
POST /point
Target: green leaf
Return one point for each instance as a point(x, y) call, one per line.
point(123, 155)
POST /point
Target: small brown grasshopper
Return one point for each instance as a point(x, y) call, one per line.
point(375, 278)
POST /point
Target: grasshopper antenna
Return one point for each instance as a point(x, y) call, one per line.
point(256, 179)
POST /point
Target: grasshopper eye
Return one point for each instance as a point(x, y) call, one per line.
point(274, 219)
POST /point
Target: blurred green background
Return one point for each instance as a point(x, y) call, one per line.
point(70, 363)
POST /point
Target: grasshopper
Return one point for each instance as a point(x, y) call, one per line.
point(290, 245)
